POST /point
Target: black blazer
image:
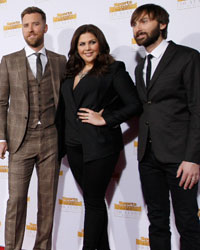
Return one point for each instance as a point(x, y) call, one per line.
point(116, 94)
point(171, 106)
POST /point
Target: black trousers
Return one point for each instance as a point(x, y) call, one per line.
point(93, 177)
point(158, 179)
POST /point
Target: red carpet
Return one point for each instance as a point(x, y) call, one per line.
point(1, 248)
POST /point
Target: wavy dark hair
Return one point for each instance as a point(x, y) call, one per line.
point(75, 63)
point(155, 12)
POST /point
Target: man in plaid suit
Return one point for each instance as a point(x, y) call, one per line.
point(29, 92)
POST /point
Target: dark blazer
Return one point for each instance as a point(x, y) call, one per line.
point(116, 94)
point(171, 106)
point(14, 100)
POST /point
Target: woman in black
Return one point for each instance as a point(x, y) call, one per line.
point(98, 95)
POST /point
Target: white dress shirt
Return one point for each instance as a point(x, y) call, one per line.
point(157, 54)
point(31, 57)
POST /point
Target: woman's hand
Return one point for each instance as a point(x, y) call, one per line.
point(89, 116)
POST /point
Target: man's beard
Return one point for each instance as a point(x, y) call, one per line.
point(150, 39)
point(35, 43)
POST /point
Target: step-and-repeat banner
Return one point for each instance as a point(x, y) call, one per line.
point(128, 223)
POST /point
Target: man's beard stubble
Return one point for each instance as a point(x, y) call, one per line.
point(36, 43)
point(150, 39)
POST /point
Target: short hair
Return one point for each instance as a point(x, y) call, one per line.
point(155, 12)
point(33, 9)
point(76, 63)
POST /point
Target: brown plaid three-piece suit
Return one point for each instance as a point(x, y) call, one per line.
point(30, 145)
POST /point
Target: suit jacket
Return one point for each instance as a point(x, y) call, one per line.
point(171, 106)
point(116, 94)
point(14, 100)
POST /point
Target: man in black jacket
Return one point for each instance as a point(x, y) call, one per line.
point(168, 84)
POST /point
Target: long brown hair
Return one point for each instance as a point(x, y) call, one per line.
point(155, 12)
point(75, 63)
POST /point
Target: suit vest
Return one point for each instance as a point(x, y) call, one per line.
point(41, 99)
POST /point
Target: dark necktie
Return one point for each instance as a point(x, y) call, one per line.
point(148, 73)
point(39, 67)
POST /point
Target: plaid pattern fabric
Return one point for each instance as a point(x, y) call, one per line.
point(14, 103)
point(39, 149)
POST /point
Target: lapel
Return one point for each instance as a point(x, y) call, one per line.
point(22, 70)
point(71, 96)
point(55, 78)
point(166, 58)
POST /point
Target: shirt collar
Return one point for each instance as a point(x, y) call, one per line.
point(159, 50)
point(29, 51)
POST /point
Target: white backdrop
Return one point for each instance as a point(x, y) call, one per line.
point(128, 224)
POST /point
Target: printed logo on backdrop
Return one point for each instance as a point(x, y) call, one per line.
point(12, 28)
point(4, 172)
point(127, 210)
point(135, 147)
point(199, 213)
point(187, 4)
point(121, 9)
point(3, 4)
point(64, 19)
point(71, 205)
point(31, 230)
point(81, 234)
point(28, 200)
point(142, 243)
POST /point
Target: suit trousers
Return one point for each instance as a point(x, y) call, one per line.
point(158, 179)
point(38, 149)
point(93, 177)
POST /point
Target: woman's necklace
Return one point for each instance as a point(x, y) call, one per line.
point(81, 74)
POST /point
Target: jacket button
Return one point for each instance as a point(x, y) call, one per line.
point(149, 102)
point(147, 123)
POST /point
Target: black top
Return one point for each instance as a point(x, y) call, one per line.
point(72, 135)
point(116, 94)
